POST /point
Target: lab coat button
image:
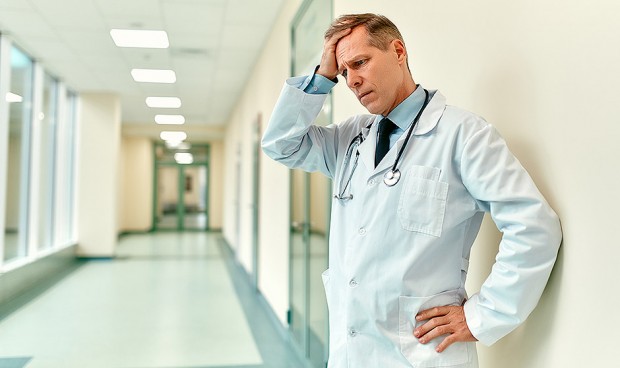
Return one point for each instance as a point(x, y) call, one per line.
point(352, 332)
point(353, 283)
point(362, 231)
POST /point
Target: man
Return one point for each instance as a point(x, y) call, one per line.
point(403, 221)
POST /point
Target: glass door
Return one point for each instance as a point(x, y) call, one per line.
point(310, 203)
point(194, 183)
point(182, 190)
point(299, 256)
point(168, 209)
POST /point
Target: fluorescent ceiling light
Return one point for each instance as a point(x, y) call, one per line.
point(140, 38)
point(183, 158)
point(164, 102)
point(173, 136)
point(173, 144)
point(154, 75)
point(170, 119)
point(12, 97)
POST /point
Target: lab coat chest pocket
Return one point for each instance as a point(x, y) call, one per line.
point(422, 204)
point(424, 355)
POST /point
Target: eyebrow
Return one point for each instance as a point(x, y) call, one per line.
point(353, 59)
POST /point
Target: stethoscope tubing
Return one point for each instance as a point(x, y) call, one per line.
point(394, 173)
point(413, 125)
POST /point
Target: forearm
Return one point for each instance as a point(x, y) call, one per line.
point(290, 137)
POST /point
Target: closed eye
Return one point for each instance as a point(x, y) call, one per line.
point(355, 65)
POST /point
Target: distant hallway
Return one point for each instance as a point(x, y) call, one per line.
point(167, 300)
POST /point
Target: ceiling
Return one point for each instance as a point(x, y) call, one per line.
point(213, 47)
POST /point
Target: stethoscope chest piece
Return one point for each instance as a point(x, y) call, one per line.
point(391, 177)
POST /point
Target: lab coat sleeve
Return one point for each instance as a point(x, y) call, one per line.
point(290, 137)
point(530, 241)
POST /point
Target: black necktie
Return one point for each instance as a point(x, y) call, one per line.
point(386, 127)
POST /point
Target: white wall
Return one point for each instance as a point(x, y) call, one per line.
point(216, 185)
point(546, 75)
point(260, 95)
point(98, 174)
point(136, 199)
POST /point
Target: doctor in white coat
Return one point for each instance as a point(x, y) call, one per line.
point(403, 224)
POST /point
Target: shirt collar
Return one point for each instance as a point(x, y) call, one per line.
point(404, 114)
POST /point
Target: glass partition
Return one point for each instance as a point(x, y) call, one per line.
point(20, 117)
point(310, 204)
point(47, 153)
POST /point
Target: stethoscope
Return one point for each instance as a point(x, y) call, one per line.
point(391, 177)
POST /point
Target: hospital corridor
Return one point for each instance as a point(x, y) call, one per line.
point(149, 221)
point(166, 300)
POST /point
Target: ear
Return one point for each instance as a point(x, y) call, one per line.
point(401, 52)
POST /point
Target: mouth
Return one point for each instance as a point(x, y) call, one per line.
point(362, 95)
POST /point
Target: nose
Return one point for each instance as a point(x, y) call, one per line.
point(353, 79)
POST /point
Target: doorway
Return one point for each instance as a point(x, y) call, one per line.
point(182, 188)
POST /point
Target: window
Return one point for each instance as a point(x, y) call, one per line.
point(46, 125)
point(20, 117)
point(38, 118)
point(65, 171)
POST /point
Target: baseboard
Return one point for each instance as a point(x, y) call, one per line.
point(22, 284)
point(264, 305)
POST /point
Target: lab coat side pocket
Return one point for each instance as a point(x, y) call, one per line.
point(424, 355)
point(422, 204)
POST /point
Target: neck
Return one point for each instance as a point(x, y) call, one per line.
point(405, 91)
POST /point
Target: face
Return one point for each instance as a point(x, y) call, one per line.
point(376, 77)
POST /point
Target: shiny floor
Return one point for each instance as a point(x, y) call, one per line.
point(167, 300)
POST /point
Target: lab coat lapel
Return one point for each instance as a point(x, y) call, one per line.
point(367, 148)
point(431, 115)
point(429, 119)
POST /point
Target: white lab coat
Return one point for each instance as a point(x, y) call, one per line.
point(396, 250)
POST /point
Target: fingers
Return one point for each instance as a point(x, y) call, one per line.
point(329, 65)
point(449, 320)
point(432, 312)
point(333, 40)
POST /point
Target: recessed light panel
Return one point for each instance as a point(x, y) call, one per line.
point(163, 102)
point(154, 75)
point(12, 97)
point(170, 119)
point(174, 136)
point(140, 38)
point(183, 158)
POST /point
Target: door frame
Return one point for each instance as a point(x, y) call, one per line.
point(180, 187)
